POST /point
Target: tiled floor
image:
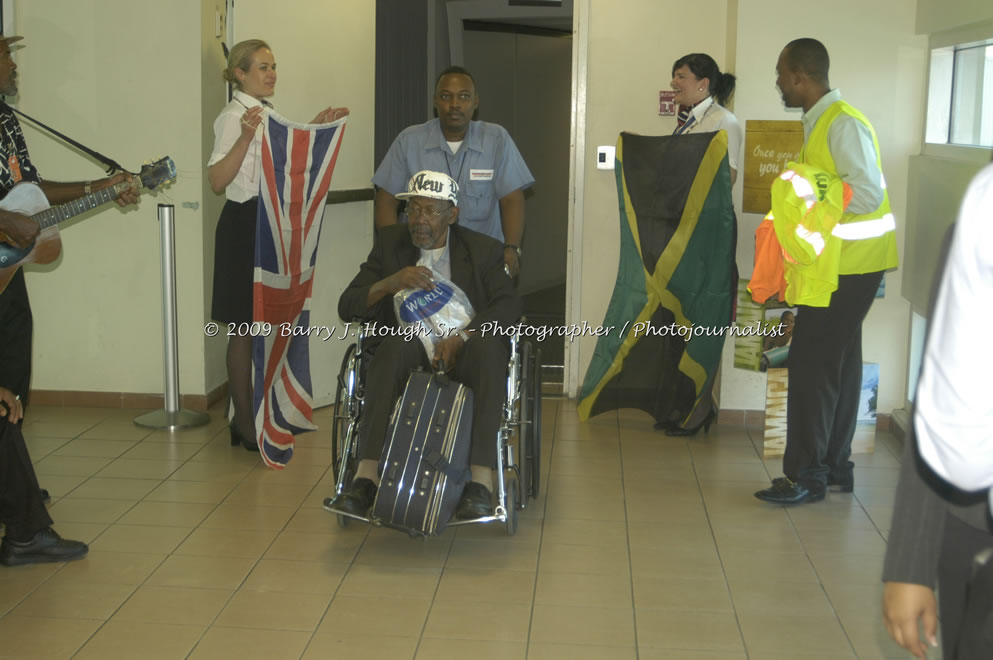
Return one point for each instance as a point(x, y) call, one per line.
point(641, 546)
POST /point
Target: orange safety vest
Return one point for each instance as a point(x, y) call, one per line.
point(768, 279)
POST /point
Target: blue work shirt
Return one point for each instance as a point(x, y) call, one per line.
point(487, 167)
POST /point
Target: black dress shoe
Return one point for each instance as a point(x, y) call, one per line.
point(45, 546)
point(356, 501)
point(475, 502)
point(45, 495)
point(785, 491)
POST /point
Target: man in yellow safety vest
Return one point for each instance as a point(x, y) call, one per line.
point(825, 362)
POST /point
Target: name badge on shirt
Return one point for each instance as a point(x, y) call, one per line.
point(480, 175)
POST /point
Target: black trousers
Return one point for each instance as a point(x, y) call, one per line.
point(481, 365)
point(16, 327)
point(22, 510)
point(962, 639)
point(825, 380)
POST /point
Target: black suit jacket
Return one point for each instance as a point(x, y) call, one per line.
point(477, 268)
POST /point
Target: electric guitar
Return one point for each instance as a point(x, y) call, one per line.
point(28, 199)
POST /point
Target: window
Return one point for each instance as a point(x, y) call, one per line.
point(960, 95)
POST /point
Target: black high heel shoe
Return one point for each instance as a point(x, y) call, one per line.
point(238, 439)
point(678, 431)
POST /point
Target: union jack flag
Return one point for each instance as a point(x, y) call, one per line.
point(297, 162)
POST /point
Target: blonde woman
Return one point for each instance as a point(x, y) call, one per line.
point(235, 169)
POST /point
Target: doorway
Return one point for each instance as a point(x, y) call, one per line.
point(521, 59)
point(520, 55)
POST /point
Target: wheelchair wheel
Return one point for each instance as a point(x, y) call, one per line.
point(531, 475)
point(341, 418)
point(513, 504)
point(340, 422)
point(523, 415)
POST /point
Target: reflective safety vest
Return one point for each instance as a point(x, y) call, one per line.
point(868, 239)
point(808, 205)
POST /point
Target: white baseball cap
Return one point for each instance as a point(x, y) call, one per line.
point(435, 185)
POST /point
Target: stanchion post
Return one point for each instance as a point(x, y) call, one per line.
point(172, 417)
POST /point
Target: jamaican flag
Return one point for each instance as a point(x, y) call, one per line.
point(676, 280)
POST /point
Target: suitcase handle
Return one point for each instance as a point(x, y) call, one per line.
point(441, 377)
point(441, 464)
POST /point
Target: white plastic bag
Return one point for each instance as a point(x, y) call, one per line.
point(435, 314)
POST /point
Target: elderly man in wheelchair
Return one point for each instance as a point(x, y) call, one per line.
point(403, 257)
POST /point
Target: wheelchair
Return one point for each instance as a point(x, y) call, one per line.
point(518, 469)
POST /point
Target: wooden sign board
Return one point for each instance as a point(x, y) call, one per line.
point(769, 145)
point(777, 394)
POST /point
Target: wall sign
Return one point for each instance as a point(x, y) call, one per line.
point(777, 394)
point(667, 103)
point(769, 145)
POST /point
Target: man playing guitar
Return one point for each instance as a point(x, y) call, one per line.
point(21, 231)
point(15, 309)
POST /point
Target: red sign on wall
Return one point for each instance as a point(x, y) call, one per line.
point(667, 104)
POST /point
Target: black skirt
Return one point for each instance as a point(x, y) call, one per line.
point(234, 262)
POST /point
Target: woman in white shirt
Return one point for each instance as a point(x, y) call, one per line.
point(235, 169)
point(701, 92)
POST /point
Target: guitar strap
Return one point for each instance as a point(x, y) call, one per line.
point(112, 165)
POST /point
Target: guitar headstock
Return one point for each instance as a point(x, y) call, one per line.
point(155, 174)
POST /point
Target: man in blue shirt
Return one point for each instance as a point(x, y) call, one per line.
point(481, 157)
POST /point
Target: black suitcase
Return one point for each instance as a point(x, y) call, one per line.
point(425, 461)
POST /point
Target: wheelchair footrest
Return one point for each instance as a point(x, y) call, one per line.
point(339, 512)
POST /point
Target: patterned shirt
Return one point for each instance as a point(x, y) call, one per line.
point(15, 164)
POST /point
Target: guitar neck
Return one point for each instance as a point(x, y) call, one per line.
point(62, 212)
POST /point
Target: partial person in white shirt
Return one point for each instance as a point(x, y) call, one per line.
point(938, 534)
point(701, 93)
point(235, 169)
point(954, 410)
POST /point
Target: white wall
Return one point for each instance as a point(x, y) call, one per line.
point(135, 95)
point(938, 15)
point(877, 62)
point(213, 97)
point(135, 92)
point(938, 177)
point(138, 79)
